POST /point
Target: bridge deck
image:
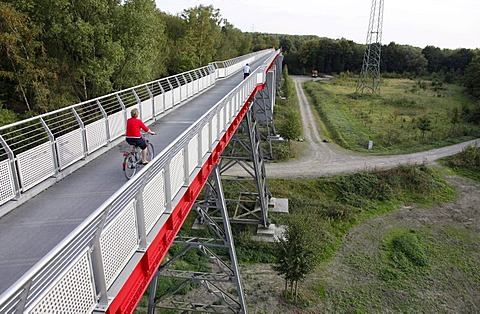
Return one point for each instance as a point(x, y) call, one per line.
point(34, 228)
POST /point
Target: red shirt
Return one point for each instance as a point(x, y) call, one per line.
point(133, 127)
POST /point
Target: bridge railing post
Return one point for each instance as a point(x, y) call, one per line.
point(98, 266)
point(105, 116)
point(51, 138)
point(140, 213)
point(152, 105)
point(82, 130)
point(11, 188)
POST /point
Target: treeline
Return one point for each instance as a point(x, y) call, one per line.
point(58, 53)
point(306, 53)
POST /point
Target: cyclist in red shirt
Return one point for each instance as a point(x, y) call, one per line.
point(133, 135)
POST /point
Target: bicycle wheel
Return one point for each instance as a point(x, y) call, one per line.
point(150, 152)
point(130, 164)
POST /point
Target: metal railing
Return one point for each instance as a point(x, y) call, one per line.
point(77, 274)
point(38, 148)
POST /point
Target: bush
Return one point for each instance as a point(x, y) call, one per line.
point(405, 253)
point(407, 245)
point(468, 158)
point(7, 116)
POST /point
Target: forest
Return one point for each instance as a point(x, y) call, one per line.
point(58, 53)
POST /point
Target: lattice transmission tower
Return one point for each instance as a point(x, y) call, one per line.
point(370, 75)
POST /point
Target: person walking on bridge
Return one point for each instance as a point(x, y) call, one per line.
point(133, 135)
point(246, 71)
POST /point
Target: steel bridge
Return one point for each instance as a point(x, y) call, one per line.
point(76, 236)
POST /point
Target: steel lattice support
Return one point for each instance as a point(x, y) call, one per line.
point(263, 104)
point(224, 277)
point(370, 75)
point(250, 194)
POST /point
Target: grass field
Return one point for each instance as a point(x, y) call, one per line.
point(387, 243)
point(408, 116)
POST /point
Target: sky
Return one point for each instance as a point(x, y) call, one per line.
point(442, 23)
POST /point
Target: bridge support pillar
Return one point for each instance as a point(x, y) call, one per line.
point(221, 281)
point(242, 164)
point(263, 104)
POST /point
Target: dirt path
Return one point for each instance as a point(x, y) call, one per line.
point(322, 159)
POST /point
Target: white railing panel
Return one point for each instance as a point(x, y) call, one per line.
point(116, 124)
point(158, 104)
point(222, 119)
point(72, 292)
point(196, 85)
point(7, 188)
point(228, 110)
point(35, 165)
point(69, 148)
point(205, 139)
point(214, 128)
point(96, 135)
point(192, 154)
point(190, 87)
point(238, 102)
point(154, 200)
point(176, 173)
point(183, 92)
point(176, 96)
point(146, 109)
point(168, 99)
point(118, 242)
point(203, 83)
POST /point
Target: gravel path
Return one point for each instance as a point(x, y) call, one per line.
point(323, 159)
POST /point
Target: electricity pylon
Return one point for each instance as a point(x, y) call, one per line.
point(370, 75)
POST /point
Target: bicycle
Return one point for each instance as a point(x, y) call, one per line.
point(133, 158)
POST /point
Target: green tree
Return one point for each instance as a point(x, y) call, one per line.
point(7, 116)
point(424, 124)
point(459, 59)
point(455, 119)
point(296, 253)
point(434, 56)
point(140, 31)
point(291, 127)
point(24, 71)
point(232, 43)
point(403, 58)
point(78, 35)
point(262, 41)
point(413, 60)
point(175, 28)
point(472, 77)
point(201, 35)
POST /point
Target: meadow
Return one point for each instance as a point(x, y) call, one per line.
point(408, 116)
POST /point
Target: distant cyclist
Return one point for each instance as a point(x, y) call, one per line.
point(133, 135)
point(246, 71)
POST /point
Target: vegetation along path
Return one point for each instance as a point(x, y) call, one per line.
point(352, 280)
point(320, 158)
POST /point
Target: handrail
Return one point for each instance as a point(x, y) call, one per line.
point(42, 147)
point(90, 258)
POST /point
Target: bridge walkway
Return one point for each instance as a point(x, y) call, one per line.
point(35, 227)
